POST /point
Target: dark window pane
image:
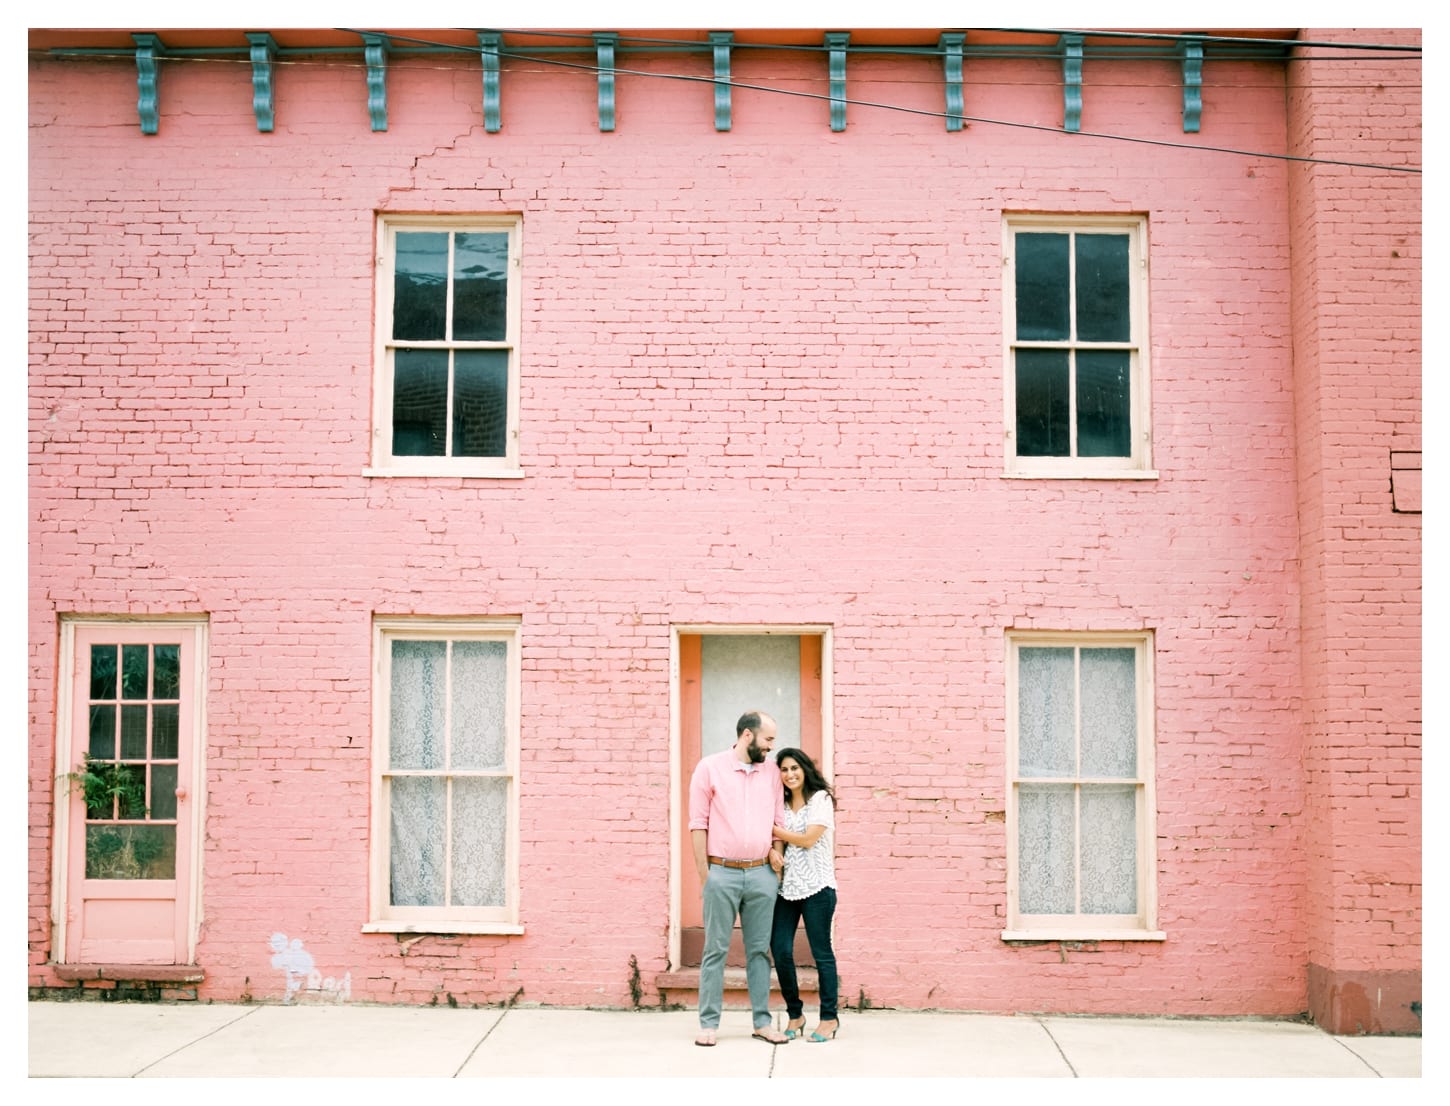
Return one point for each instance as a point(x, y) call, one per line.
point(1102, 288)
point(164, 743)
point(102, 745)
point(133, 731)
point(163, 791)
point(1104, 428)
point(131, 786)
point(420, 402)
point(480, 402)
point(135, 662)
point(420, 286)
point(480, 287)
point(103, 671)
point(167, 659)
point(1042, 299)
point(1042, 407)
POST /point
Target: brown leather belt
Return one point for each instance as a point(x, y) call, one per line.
point(720, 860)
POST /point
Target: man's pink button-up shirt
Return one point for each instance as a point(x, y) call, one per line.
point(736, 804)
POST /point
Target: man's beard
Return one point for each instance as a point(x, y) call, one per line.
point(755, 752)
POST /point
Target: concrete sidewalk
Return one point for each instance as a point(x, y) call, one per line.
point(122, 1040)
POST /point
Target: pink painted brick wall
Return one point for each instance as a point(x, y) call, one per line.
point(1358, 256)
point(780, 330)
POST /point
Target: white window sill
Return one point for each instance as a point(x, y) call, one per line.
point(499, 928)
point(1084, 935)
point(1082, 474)
point(440, 473)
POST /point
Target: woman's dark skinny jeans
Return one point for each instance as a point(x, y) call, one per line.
point(817, 910)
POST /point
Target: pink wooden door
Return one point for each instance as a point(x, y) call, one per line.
point(132, 745)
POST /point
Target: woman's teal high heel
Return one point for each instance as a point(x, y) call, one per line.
point(817, 1036)
point(794, 1031)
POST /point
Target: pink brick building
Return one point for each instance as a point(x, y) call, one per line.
point(438, 438)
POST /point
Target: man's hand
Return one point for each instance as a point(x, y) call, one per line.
point(777, 862)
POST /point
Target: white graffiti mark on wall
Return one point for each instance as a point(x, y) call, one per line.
point(301, 974)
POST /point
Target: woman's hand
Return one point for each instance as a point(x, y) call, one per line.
point(777, 833)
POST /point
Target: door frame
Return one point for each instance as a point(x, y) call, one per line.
point(679, 787)
point(198, 624)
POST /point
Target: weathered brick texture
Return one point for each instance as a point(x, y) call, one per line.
point(762, 380)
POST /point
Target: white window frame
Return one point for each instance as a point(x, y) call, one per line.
point(383, 916)
point(383, 462)
point(1142, 925)
point(1139, 464)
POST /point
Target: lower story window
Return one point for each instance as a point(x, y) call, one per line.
point(1080, 787)
point(445, 776)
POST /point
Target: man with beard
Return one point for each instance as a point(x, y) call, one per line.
point(735, 799)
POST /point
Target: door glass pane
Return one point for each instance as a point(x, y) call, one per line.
point(1102, 288)
point(134, 671)
point(1109, 849)
point(480, 402)
point(1104, 404)
point(741, 672)
point(420, 286)
point(480, 688)
point(165, 737)
point(133, 731)
point(1045, 849)
point(415, 730)
point(103, 671)
point(130, 852)
point(167, 659)
point(131, 791)
point(417, 812)
point(102, 744)
point(420, 402)
point(1042, 403)
point(480, 287)
point(1109, 713)
point(163, 791)
point(1045, 711)
point(1042, 288)
point(480, 822)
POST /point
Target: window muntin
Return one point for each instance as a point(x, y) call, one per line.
point(445, 776)
point(448, 311)
point(130, 777)
point(1080, 807)
point(1077, 398)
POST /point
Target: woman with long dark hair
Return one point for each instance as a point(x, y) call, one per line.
point(807, 890)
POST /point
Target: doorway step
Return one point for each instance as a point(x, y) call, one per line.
point(682, 988)
point(127, 982)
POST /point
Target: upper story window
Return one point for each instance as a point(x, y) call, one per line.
point(1077, 349)
point(446, 382)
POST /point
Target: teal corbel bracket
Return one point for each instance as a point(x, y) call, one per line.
point(720, 43)
point(264, 52)
point(604, 44)
point(489, 44)
point(375, 52)
point(836, 42)
point(951, 48)
point(1192, 52)
point(148, 49)
point(1071, 81)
